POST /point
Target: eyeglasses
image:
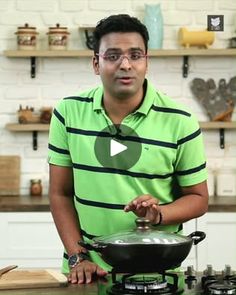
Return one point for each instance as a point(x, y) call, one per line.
point(118, 57)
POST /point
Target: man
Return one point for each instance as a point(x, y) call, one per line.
point(89, 200)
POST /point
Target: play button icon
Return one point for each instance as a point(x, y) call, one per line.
point(117, 146)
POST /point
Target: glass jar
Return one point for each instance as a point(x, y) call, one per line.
point(26, 37)
point(153, 20)
point(226, 182)
point(58, 38)
point(36, 188)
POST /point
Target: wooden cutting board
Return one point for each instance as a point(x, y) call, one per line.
point(27, 279)
point(9, 175)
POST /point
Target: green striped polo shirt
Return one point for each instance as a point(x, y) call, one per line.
point(172, 154)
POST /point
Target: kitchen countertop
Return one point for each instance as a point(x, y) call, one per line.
point(90, 289)
point(24, 204)
point(41, 204)
point(101, 288)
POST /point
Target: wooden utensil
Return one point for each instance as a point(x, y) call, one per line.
point(7, 269)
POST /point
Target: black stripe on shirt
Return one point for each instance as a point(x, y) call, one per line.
point(119, 137)
point(192, 170)
point(65, 255)
point(59, 116)
point(79, 98)
point(58, 150)
point(134, 138)
point(148, 141)
point(88, 132)
point(179, 228)
point(120, 171)
point(170, 110)
point(189, 137)
point(88, 236)
point(100, 204)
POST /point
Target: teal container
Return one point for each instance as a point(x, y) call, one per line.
point(154, 22)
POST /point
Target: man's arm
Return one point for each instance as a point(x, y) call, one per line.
point(67, 222)
point(62, 207)
point(193, 203)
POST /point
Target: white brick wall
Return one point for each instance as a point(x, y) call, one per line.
point(59, 77)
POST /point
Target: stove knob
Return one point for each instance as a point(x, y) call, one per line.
point(209, 272)
point(190, 272)
point(190, 280)
point(227, 272)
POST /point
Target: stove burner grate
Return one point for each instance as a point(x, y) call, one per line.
point(143, 284)
point(224, 288)
point(219, 285)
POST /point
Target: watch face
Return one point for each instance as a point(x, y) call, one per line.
point(73, 259)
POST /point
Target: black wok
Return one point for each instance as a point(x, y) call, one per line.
point(145, 249)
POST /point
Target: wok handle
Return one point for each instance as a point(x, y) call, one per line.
point(197, 237)
point(92, 247)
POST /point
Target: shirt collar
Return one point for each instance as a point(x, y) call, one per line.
point(144, 108)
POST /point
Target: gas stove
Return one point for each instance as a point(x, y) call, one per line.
point(190, 282)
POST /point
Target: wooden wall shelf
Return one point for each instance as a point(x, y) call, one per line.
point(35, 128)
point(48, 53)
point(218, 125)
point(89, 53)
point(221, 126)
point(45, 127)
point(27, 127)
point(184, 52)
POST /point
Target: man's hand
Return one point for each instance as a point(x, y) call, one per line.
point(85, 272)
point(145, 206)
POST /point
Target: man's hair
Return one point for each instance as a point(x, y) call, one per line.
point(120, 23)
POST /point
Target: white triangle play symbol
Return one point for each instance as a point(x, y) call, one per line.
point(116, 147)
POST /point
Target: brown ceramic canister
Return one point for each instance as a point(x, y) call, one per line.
point(58, 38)
point(26, 37)
point(36, 188)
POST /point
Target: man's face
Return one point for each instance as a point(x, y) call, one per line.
point(123, 77)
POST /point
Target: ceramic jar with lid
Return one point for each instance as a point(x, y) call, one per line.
point(36, 188)
point(26, 37)
point(58, 38)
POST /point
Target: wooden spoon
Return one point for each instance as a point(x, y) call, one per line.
point(7, 268)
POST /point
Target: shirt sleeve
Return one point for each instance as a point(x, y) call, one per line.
point(58, 149)
point(190, 165)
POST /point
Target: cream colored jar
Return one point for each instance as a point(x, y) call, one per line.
point(226, 182)
point(58, 38)
point(26, 37)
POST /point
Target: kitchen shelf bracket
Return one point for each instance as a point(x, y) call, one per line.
point(35, 140)
point(33, 66)
point(222, 138)
point(185, 66)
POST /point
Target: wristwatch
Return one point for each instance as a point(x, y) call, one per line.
point(76, 258)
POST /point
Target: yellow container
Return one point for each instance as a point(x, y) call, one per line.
point(195, 38)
